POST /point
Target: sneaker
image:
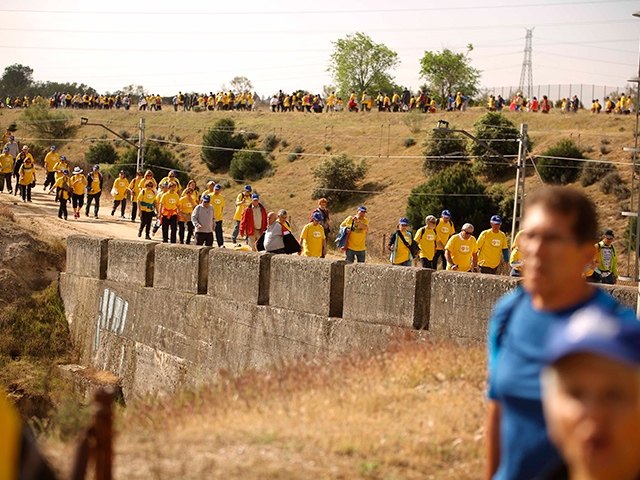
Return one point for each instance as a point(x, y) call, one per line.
point(86, 214)
point(139, 233)
point(122, 217)
point(95, 216)
point(147, 237)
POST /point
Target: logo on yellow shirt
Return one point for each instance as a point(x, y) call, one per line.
point(465, 248)
point(431, 237)
point(445, 229)
point(317, 234)
point(217, 201)
point(496, 243)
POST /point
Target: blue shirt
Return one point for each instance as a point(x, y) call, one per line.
point(517, 340)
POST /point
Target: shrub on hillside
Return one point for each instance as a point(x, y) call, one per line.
point(593, 171)
point(222, 142)
point(102, 152)
point(443, 144)
point(46, 122)
point(456, 189)
point(270, 142)
point(338, 173)
point(495, 129)
point(612, 183)
point(156, 158)
point(553, 170)
point(248, 165)
point(409, 142)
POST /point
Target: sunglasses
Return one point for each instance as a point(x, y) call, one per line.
point(468, 233)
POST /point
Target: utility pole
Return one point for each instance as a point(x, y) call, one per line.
point(140, 159)
point(518, 204)
point(526, 76)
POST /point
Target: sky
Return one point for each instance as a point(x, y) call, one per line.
point(197, 45)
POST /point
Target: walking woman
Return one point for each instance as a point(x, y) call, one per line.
point(169, 210)
point(148, 206)
point(78, 184)
point(185, 207)
point(63, 192)
point(26, 178)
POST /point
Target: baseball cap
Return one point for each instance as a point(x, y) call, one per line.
point(6, 149)
point(404, 221)
point(609, 234)
point(496, 219)
point(247, 188)
point(122, 171)
point(362, 209)
point(165, 184)
point(594, 330)
point(63, 158)
point(206, 198)
point(96, 167)
point(317, 216)
point(11, 137)
point(25, 147)
point(172, 172)
point(255, 196)
point(65, 171)
point(53, 147)
point(217, 187)
point(446, 214)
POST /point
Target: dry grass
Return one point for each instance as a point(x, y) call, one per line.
point(413, 411)
point(6, 213)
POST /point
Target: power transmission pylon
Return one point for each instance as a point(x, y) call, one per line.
point(526, 77)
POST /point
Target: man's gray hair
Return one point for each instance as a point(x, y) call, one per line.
point(468, 226)
point(282, 212)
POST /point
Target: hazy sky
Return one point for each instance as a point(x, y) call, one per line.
point(284, 44)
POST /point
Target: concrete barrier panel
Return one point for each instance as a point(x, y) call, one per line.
point(627, 296)
point(311, 285)
point(239, 275)
point(131, 262)
point(87, 256)
point(387, 295)
point(183, 268)
point(461, 303)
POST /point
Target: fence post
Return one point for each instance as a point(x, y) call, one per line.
point(384, 243)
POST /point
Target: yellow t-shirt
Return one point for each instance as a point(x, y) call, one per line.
point(427, 242)
point(59, 167)
point(170, 202)
point(175, 180)
point(95, 184)
point(246, 199)
point(64, 194)
point(217, 201)
point(461, 251)
point(51, 160)
point(120, 186)
point(27, 174)
point(516, 253)
point(402, 253)
point(357, 236)
point(147, 199)
point(135, 185)
point(186, 205)
point(312, 236)
point(444, 232)
point(78, 182)
point(6, 163)
point(490, 245)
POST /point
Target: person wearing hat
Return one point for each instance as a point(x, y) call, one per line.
point(119, 192)
point(94, 190)
point(426, 238)
point(63, 192)
point(444, 230)
point(26, 177)
point(461, 251)
point(218, 203)
point(202, 218)
point(14, 149)
point(147, 206)
point(358, 226)
point(312, 238)
point(400, 243)
point(591, 396)
point(324, 212)
point(51, 159)
point(254, 221)
point(6, 167)
point(78, 184)
point(493, 247)
point(607, 259)
point(243, 200)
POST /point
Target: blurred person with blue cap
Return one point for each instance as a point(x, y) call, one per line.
point(444, 231)
point(312, 238)
point(493, 248)
point(400, 244)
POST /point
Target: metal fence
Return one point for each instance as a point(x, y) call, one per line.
point(585, 92)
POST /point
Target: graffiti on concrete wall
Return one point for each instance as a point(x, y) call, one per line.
point(112, 314)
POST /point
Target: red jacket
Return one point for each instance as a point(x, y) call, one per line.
point(246, 224)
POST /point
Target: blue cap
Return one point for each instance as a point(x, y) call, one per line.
point(172, 171)
point(122, 171)
point(165, 184)
point(217, 187)
point(6, 149)
point(404, 221)
point(317, 216)
point(496, 219)
point(53, 147)
point(65, 171)
point(255, 196)
point(11, 137)
point(446, 214)
point(95, 167)
point(206, 198)
point(362, 209)
point(593, 330)
point(247, 188)
point(63, 158)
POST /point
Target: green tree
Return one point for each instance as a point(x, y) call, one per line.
point(553, 170)
point(448, 72)
point(45, 122)
point(159, 160)
point(337, 178)
point(456, 189)
point(220, 143)
point(248, 165)
point(241, 84)
point(103, 152)
point(358, 63)
point(16, 79)
point(499, 133)
point(444, 144)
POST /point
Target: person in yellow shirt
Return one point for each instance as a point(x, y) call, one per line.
point(6, 169)
point(51, 159)
point(217, 201)
point(134, 188)
point(516, 259)
point(444, 230)
point(209, 190)
point(63, 191)
point(313, 239)
point(395, 102)
point(493, 247)
point(60, 167)
point(194, 187)
point(461, 251)
point(119, 192)
point(172, 178)
point(426, 238)
point(94, 190)
point(148, 206)
point(331, 102)
point(78, 184)
point(242, 201)
point(185, 207)
point(169, 204)
point(148, 177)
point(358, 227)
point(26, 178)
point(5, 138)
point(399, 244)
